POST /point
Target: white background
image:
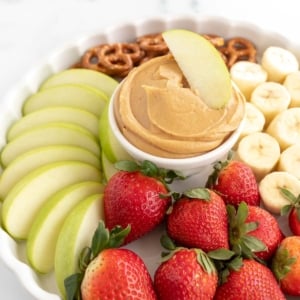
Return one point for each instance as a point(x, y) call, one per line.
point(30, 30)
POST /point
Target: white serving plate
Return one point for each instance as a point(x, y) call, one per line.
point(11, 252)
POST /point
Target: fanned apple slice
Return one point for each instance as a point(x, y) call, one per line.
point(95, 79)
point(52, 114)
point(37, 157)
point(28, 196)
point(72, 95)
point(75, 234)
point(47, 225)
point(202, 65)
point(58, 133)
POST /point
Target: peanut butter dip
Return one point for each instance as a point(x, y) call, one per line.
point(158, 113)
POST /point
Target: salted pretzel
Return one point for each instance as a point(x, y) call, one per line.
point(153, 45)
point(113, 59)
point(237, 49)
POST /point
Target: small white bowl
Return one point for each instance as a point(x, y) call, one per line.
point(200, 166)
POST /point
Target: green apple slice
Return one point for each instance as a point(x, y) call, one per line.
point(44, 232)
point(27, 197)
point(109, 144)
point(73, 95)
point(54, 114)
point(107, 166)
point(38, 157)
point(202, 65)
point(92, 78)
point(76, 233)
point(50, 134)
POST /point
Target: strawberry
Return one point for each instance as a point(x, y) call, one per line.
point(199, 219)
point(110, 273)
point(186, 274)
point(136, 195)
point(293, 211)
point(251, 281)
point(235, 182)
point(117, 274)
point(286, 265)
point(253, 230)
point(294, 221)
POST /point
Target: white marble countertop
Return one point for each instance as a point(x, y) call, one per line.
point(30, 30)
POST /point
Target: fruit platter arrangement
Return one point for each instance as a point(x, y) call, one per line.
point(82, 218)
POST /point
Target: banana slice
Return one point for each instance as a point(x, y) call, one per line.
point(285, 127)
point(270, 98)
point(292, 84)
point(269, 189)
point(278, 62)
point(260, 151)
point(247, 75)
point(289, 160)
point(254, 122)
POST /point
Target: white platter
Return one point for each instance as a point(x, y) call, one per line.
point(12, 253)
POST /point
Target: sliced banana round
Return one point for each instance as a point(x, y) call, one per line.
point(260, 151)
point(278, 62)
point(292, 84)
point(270, 189)
point(285, 127)
point(270, 98)
point(247, 75)
point(254, 121)
point(289, 160)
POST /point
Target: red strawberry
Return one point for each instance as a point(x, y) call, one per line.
point(252, 281)
point(253, 221)
point(286, 265)
point(268, 230)
point(117, 274)
point(235, 182)
point(294, 221)
point(110, 273)
point(137, 199)
point(199, 219)
point(184, 276)
point(293, 211)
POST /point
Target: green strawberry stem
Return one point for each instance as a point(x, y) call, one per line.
point(294, 203)
point(218, 167)
point(282, 263)
point(241, 243)
point(148, 168)
point(208, 260)
point(102, 239)
point(198, 193)
point(202, 194)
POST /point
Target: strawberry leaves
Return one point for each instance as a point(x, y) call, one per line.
point(198, 193)
point(281, 266)
point(241, 243)
point(207, 260)
point(102, 239)
point(149, 169)
point(294, 203)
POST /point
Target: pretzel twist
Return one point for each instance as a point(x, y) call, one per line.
point(237, 49)
point(153, 45)
point(113, 59)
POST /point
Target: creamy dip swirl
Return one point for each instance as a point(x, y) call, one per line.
point(157, 112)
